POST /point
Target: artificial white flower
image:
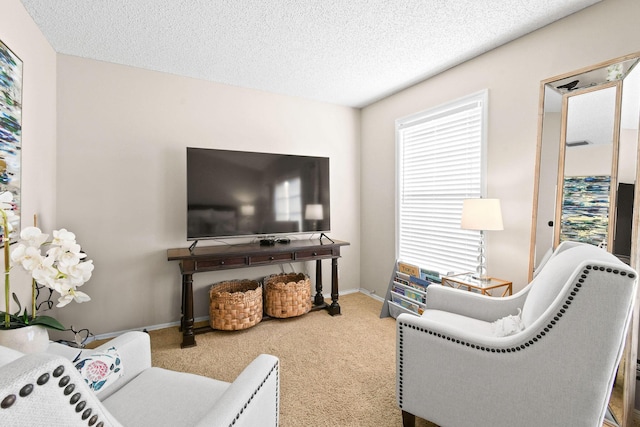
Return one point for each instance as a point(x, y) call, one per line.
point(68, 259)
point(72, 295)
point(32, 236)
point(61, 269)
point(45, 274)
point(79, 273)
point(63, 238)
point(28, 257)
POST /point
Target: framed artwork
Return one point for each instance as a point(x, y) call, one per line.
point(585, 209)
point(10, 129)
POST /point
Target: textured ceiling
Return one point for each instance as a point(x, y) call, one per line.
point(348, 52)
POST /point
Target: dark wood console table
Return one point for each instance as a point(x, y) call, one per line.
point(213, 258)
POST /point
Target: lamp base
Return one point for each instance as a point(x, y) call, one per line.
point(482, 278)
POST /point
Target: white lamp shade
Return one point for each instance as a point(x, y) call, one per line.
point(313, 212)
point(481, 214)
point(247, 210)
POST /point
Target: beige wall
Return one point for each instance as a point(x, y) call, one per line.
point(123, 134)
point(512, 73)
point(21, 35)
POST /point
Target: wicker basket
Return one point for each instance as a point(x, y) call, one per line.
point(235, 305)
point(287, 295)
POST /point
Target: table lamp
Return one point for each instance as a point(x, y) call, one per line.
point(483, 215)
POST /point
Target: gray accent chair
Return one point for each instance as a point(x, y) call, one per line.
point(46, 389)
point(556, 369)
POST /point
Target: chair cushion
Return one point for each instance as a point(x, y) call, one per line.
point(159, 397)
point(548, 283)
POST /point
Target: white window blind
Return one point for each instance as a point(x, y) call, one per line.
point(440, 163)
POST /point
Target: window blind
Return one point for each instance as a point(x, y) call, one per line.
point(440, 163)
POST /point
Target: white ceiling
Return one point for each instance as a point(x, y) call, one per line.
point(347, 52)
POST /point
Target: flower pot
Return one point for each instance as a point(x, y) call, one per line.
point(29, 339)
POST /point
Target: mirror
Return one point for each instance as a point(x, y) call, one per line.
point(587, 168)
point(585, 183)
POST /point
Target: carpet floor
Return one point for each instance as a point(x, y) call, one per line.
point(335, 371)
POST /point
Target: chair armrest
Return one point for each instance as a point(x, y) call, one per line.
point(47, 390)
point(252, 399)
point(474, 305)
point(133, 347)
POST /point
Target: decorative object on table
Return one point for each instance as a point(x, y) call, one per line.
point(11, 127)
point(235, 304)
point(482, 215)
point(287, 295)
point(62, 269)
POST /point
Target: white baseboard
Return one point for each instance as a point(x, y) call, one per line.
point(197, 319)
point(371, 294)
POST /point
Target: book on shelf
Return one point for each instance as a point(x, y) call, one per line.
point(402, 278)
point(418, 283)
point(416, 277)
point(430, 275)
point(409, 269)
point(409, 292)
point(407, 304)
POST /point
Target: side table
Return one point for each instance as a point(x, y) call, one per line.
point(488, 287)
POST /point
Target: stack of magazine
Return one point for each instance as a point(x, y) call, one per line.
point(409, 287)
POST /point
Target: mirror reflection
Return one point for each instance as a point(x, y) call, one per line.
point(586, 173)
point(588, 167)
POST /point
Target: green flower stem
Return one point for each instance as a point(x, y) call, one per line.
point(33, 298)
point(7, 286)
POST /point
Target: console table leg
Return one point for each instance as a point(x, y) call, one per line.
point(319, 299)
point(334, 308)
point(182, 303)
point(188, 337)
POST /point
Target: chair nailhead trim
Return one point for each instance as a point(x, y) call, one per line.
point(43, 379)
point(274, 370)
point(64, 382)
point(8, 401)
point(26, 390)
point(535, 339)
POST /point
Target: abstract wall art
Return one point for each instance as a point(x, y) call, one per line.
point(10, 129)
point(585, 209)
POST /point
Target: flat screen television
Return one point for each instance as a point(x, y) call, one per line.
point(240, 194)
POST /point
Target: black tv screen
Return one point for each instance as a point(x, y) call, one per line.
point(239, 193)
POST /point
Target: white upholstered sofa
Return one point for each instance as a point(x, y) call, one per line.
point(46, 389)
point(466, 362)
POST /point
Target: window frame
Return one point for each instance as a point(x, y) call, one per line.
point(433, 113)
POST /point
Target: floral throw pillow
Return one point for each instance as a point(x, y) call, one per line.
point(100, 370)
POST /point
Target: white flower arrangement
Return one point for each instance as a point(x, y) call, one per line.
point(62, 268)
